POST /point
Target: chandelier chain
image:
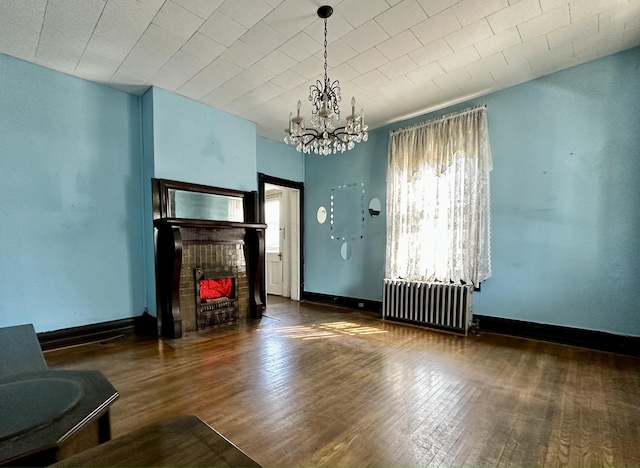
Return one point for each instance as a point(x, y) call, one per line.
point(326, 78)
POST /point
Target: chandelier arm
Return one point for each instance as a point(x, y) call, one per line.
point(341, 131)
point(308, 132)
point(311, 132)
point(341, 139)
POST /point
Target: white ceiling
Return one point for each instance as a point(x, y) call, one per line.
point(257, 58)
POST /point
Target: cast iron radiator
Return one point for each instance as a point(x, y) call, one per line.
point(436, 305)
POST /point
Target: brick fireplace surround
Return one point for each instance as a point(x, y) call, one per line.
point(213, 257)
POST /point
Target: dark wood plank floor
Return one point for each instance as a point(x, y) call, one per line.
point(313, 385)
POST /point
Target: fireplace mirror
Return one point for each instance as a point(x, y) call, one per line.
point(205, 206)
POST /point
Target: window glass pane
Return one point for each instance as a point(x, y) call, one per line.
point(272, 218)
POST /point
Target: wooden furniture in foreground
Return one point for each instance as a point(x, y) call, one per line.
point(48, 415)
point(179, 441)
point(45, 414)
point(20, 351)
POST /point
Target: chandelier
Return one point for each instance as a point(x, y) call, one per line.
point(326, 135)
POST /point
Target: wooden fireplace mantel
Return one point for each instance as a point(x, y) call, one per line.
point(200, 223)
point(170, 234)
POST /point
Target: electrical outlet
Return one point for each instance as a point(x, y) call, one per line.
point(361, 304)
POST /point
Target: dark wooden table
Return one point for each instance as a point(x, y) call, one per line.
point(179, 441)
point(48, 415)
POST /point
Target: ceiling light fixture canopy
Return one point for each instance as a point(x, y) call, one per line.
point(326, 135)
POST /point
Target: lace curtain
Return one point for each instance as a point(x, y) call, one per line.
point(438, 219)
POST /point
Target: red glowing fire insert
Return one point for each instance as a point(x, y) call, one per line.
point(216, 288)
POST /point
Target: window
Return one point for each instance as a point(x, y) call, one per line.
point(438, 200)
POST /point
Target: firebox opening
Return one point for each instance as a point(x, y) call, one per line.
point(216, 289)
point(216, 302)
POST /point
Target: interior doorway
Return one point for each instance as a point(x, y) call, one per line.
point(276, 217)
point(281, 209)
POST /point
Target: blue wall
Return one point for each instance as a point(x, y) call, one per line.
point(191, 142)
point(73, 183)
point(324, 270)
point(148, 172)
point(279, 160)
point(71, 197)
point(199, 144)
point(565, 201)
point(75, 180)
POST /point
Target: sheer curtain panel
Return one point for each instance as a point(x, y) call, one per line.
point(438, 216)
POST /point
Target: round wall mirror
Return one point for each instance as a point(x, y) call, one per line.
point(321, 215)
point(345, 251)
point(375, 207)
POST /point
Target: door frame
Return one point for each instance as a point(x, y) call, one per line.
point(264, 179)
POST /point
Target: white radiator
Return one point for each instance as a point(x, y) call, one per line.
point(436, 305)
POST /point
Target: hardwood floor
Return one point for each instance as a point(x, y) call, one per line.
point(315, 385)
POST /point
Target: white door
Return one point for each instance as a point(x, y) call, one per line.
point(274, 209)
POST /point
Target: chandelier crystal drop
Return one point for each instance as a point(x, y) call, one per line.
point(326, 135)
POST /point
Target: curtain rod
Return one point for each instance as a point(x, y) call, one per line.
point(444, 117)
